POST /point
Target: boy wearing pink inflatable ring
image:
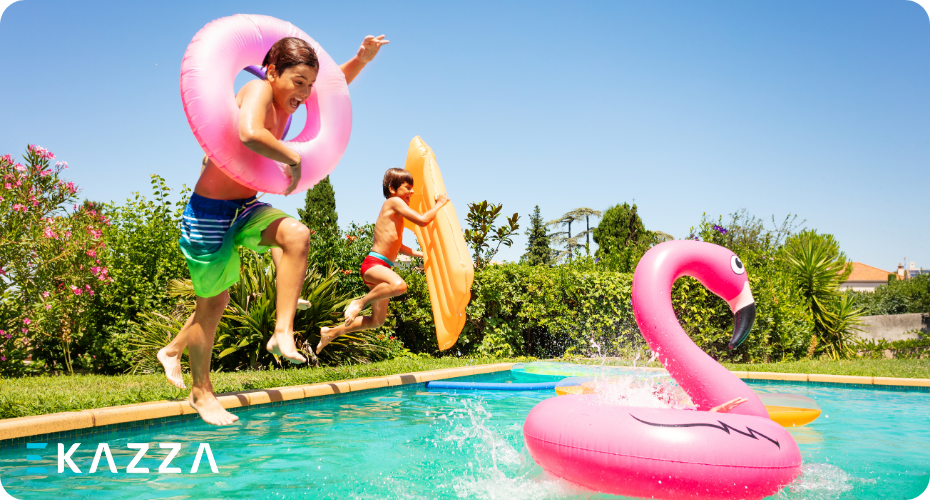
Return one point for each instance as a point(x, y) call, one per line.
point(223, 214)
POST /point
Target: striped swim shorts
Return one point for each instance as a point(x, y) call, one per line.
point(210, 232)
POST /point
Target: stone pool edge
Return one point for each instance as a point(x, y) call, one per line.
point(22, 427)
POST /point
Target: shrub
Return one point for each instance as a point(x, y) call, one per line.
point(818, 267)
point(250, 318)
point(582, 309)
point(897, 297)
point(50, 272)
point(143, 258)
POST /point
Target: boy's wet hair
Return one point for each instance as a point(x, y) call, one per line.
point(394, 178)
point(289, 52)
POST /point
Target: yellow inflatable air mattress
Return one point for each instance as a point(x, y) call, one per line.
point(448, 265)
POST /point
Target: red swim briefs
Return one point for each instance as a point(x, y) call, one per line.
point(370, 262)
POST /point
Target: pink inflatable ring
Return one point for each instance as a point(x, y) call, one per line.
point(214, 57)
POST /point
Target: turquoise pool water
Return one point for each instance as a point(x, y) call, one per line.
point(410, 442)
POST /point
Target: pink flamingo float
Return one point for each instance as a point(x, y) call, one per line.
point(666, 453)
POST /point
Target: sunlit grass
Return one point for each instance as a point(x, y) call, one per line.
point(22, 397)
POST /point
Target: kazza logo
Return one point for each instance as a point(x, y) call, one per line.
point(103, 450)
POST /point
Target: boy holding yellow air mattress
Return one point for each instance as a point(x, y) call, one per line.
point(383, 283)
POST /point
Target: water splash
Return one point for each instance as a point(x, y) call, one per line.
point(821, 482)
point(496, 469)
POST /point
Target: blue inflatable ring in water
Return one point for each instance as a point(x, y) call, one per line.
point(489, 386)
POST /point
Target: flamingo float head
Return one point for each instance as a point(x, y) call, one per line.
point(716, 267)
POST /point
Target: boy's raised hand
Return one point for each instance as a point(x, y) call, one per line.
point(442, 199)
point(370, 47)
point(292, 173)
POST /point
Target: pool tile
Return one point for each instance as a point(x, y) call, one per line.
point(498, 367)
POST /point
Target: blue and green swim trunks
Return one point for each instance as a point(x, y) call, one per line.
point(210, 232)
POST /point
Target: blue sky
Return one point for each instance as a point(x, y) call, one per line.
point(814, 108)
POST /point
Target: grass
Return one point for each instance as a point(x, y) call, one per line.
point(23, 397)
point(899, 368)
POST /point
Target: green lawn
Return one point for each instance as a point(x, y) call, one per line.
point(902, 368)
point(22, 397)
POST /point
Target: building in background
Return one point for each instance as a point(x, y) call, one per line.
point(865, 278)
point(912, 272)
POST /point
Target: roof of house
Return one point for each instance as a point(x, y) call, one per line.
point(862, 272)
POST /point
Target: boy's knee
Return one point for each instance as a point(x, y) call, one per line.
point(296, 236)
point(400, 287)
point(215, 305)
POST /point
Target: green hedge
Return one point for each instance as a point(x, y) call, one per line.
point(582, 309)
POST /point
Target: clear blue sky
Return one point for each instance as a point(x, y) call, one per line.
point(815, 108)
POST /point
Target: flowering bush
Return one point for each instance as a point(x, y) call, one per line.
point(50, 270)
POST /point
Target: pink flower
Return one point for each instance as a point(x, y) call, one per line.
point(77, 291)
point(8, 159)
point(45, 294)
point(25, 331)
point(26, 321)
point(2, 272)
point(91, 253)
point(2, 358)
point(48, 306)
point(48, 233)
point(45, 173)
point(75, 207)
point(67, 234)
point(87, 287)
point(8, 186)
point(91, 292)
point(20, 167)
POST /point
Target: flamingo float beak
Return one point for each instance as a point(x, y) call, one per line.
point(744, 315)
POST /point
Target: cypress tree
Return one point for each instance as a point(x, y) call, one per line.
point(620, 231)
point(319, 212)
point(538, 252)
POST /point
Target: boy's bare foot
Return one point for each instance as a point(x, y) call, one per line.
point(211, 411)
point(282, 344)
point(172, 366)
point(302, 304)
point(326, 336)
point(352, 310)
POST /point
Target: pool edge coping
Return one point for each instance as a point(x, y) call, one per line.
point(22, 427)
point(34, 425)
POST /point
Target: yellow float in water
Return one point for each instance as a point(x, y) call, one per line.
point(447, 263)
point(787, 410)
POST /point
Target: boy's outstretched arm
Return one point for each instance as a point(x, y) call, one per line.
point(405, 250)
point(369, 49)
point(417, 218)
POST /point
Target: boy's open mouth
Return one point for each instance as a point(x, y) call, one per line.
point(295, 103)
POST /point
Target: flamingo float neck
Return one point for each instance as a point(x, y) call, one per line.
point(706, 381)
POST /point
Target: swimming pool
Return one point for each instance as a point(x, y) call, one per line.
point(410, 442)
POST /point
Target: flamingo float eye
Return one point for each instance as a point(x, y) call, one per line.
point(737, 265)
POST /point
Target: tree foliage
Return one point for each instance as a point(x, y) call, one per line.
point(622, 238)
point(319, 212)
point(482, 232)
point(818, 268)
point(538, 251)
